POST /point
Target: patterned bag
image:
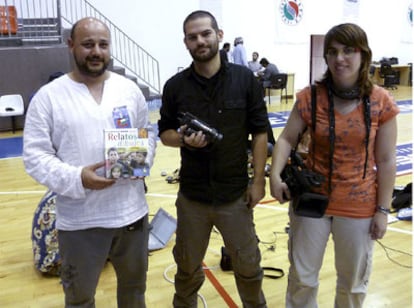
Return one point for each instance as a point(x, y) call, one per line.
point(44, 236)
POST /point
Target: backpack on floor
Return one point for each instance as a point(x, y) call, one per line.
point(402, 198)
point(44, 236)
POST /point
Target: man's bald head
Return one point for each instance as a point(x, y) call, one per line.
point(90, 45)
point(86, 23)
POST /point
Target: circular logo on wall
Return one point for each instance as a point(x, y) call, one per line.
point(291, 11)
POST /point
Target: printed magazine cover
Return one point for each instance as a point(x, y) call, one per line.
point(125, 153)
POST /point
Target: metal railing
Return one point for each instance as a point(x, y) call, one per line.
point(30, 22)
point(42, 22)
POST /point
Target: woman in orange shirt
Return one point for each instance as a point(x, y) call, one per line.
point(353, 146)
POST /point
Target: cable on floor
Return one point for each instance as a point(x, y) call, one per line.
point(387, 249)
point(170, 280)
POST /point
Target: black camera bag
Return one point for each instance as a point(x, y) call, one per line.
point(310, 205)
point(301, 182)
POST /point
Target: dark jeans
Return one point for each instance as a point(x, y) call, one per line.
point(85, 252)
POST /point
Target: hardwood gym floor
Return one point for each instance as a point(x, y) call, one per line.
point(22, 286)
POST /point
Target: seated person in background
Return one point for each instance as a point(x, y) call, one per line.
point(270, 141)
point(303, 145)
point(254, 65)
point(269, 70)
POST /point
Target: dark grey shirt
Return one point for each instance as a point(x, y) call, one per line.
point(269, 71)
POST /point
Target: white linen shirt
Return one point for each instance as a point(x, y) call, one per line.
point(64, 132)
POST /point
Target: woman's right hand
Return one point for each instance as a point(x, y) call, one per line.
point(278, 189)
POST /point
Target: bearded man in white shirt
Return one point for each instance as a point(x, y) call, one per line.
point(97, 218)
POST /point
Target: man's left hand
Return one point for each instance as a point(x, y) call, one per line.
point(256, 191)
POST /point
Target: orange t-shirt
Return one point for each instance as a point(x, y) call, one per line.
point(351, 195)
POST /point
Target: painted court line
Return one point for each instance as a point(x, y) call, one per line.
point(27, 192)
point(400, 230)
point(263, 204)
point(213, 280)
point(226, 297)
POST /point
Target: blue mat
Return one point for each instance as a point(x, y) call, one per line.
point(279, 119)
point(11, 147)
point(404, 158)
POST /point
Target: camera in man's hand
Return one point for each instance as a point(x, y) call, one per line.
point(301, 183)
point(195, 125)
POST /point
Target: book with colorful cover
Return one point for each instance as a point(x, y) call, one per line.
point(125, 153)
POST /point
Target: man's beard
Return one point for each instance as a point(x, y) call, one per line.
point(213, 50)
point(86, 70)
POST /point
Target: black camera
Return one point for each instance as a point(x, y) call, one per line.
point(301, 182)
point(194, 125)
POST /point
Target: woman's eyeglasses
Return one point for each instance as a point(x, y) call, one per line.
point(346, 52)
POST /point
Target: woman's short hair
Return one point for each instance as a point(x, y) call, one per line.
point(352, 35)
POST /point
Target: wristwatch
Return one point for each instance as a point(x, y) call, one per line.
point(383, 210)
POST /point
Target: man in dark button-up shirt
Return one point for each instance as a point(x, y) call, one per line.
point(214, 184)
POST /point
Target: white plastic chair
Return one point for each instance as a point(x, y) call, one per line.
point(11, 106)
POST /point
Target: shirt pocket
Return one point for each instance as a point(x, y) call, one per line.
point(235, 103)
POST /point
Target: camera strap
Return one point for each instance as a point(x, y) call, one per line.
point(226, 265)
point(279, 272)
point(331, 113)
point(313, 106)
point(313, 115)
point(332, 137)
